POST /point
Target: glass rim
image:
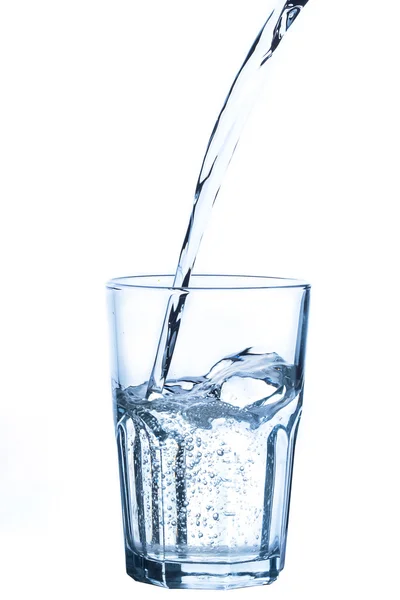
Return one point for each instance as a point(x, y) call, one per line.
point(133, 282)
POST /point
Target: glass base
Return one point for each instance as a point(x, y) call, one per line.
point(205, 576)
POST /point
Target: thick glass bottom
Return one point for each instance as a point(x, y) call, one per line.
point(192, 575)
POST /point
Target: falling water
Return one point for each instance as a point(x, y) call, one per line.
point(221, 147)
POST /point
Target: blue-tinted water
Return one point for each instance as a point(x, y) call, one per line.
point(206, 466)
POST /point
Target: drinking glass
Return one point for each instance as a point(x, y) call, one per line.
point(206, 465)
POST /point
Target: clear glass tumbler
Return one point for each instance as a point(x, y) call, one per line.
point(206, 465)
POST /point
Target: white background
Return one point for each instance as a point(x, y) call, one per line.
point(106, 108)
